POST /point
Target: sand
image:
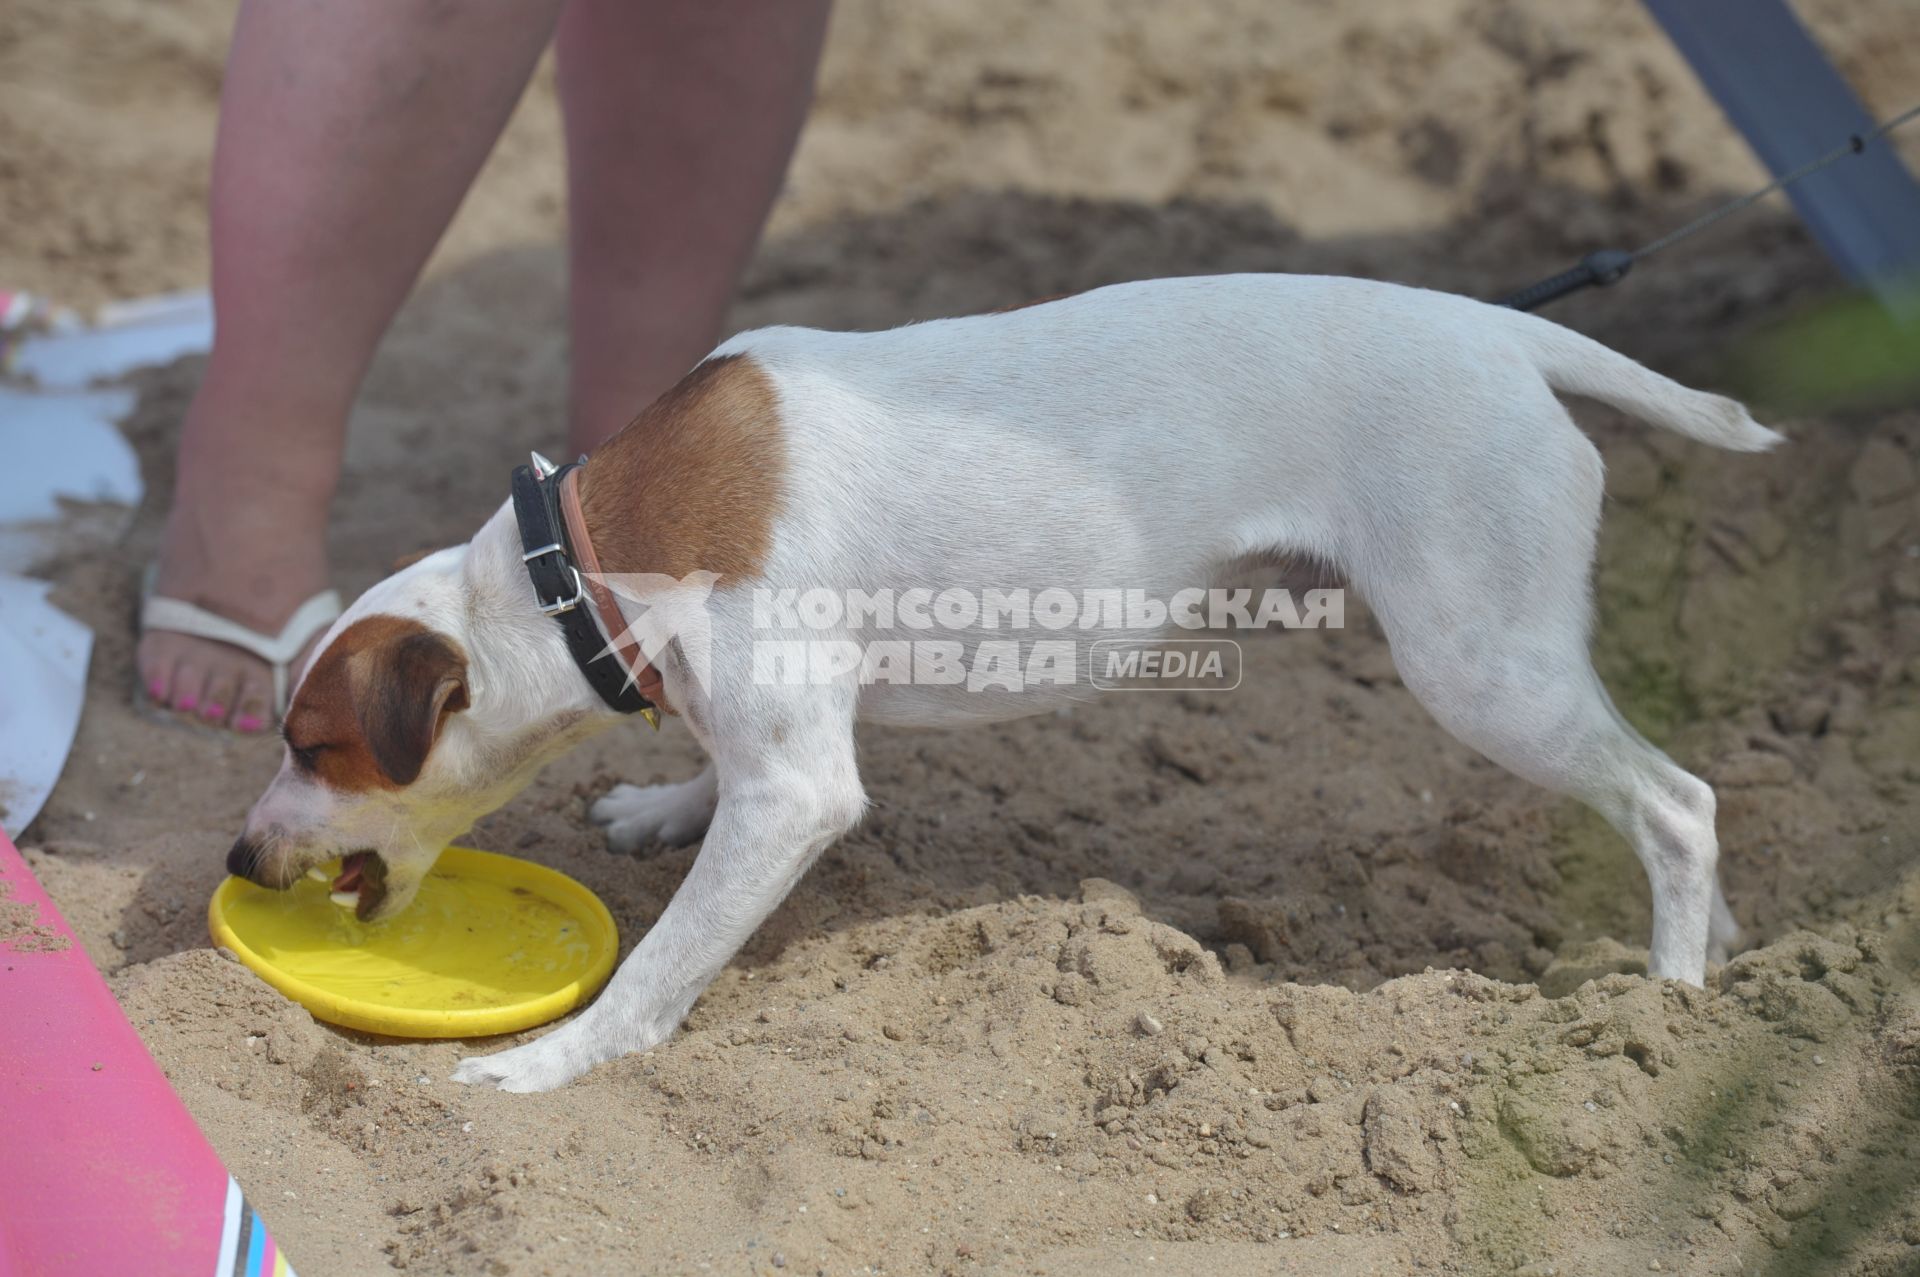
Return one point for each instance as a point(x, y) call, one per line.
point(1280, 981)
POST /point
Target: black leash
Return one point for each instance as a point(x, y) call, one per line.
point(558, 589)
point(1610, 265)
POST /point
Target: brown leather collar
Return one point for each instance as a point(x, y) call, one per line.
point(615, 626)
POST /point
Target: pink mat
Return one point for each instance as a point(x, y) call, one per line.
point(103, 1169)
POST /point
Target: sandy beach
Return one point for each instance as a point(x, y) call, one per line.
point(1278, 981)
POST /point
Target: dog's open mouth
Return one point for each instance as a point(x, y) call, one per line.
point(361, 884)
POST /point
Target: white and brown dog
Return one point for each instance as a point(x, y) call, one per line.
point(1141, 436)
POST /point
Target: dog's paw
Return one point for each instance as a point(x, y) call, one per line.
point(538, 1066)
point(1723, 932)
point(635, 815)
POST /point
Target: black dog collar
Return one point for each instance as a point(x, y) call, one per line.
point(558, 589)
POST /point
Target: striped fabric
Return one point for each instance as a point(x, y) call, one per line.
point(246, 1248)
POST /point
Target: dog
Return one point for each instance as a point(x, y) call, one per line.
point(1140, 437)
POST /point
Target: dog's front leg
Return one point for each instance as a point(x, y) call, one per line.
point(788, 788)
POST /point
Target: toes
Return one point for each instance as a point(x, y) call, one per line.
point(189, 686)
point(618, 803)
point(208, 681)
point(253, 711)
point(635, 815)
point(477, 1070)
point(154, 659)
point(628, 836)
point(524, 1070)
point(222, 694)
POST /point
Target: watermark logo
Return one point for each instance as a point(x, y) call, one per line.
point(985, 640)
point(957, 609)
point(1164, 665)
point(664, 615)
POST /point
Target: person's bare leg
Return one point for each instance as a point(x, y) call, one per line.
point(681, 116)
point(349, 131)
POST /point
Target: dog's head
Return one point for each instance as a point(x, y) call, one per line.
point(398, 739)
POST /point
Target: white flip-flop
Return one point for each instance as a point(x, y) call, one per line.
point(174, 616)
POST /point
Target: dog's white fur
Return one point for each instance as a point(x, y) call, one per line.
point(1140, 436)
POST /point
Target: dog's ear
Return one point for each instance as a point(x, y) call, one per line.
point(410, 688)
point(408, 560)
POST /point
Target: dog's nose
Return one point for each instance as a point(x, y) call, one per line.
point(244, 856)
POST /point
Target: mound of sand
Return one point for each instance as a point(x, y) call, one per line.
point(1040, 1085)
point(1280, 981)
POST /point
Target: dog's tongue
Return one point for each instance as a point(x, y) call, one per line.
point(350, 870)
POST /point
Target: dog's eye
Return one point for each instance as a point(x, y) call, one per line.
point(304, 756)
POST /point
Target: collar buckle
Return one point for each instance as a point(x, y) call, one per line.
point(560, 607)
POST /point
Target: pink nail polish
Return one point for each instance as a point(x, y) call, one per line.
point(187, 702)
point(215, 709)
point(248, 723)
point(156, 690)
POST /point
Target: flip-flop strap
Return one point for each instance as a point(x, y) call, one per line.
point(277, 650)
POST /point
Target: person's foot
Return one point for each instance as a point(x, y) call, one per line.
point(245, 552)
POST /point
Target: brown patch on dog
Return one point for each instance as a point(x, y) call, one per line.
point(694, 482)
point(367, 713)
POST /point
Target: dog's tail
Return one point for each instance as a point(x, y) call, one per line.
point(1581, 366)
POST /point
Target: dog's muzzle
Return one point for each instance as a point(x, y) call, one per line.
point(244, 856)
point(260, 859)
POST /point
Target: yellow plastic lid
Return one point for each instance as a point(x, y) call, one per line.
point(491, 944)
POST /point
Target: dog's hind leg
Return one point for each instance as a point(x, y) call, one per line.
point(1532, 703)
point(1723, 933)
point(676, 814)
point(1487, 612)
